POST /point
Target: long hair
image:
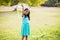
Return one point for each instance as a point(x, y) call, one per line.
point(28, 15)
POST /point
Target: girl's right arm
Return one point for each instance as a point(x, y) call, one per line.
point(22, 10)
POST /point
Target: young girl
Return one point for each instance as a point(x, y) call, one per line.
point(25, 30)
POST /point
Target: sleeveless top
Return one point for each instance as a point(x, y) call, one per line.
point(25, 19)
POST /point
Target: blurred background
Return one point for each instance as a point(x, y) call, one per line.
point(45, 19)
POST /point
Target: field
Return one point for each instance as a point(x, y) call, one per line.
point(45, 24)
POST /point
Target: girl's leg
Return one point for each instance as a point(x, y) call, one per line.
point(22, 37)
point(26, 37)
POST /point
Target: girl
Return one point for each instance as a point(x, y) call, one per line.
point(25, 31)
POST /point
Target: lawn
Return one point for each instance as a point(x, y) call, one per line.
point(45, 24)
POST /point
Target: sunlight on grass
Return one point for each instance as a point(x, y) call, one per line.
point(44, 25)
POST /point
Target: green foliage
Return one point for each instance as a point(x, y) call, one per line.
point(4, 2)
point(37, 2)
point(51, 3)
point(29, 2)
point(33, 2)
point(8, 2)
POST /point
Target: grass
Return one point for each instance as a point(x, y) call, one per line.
point(45, 24)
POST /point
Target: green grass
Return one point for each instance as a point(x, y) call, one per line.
point(45, 24)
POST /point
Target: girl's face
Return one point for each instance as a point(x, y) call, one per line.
point(26, 11)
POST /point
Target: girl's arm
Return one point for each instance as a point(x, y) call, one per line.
point(22, 10)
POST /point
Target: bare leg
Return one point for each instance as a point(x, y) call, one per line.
point(26, 37)
point(22, 37)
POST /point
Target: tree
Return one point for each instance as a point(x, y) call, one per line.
point(8, 2)
point(5, 2)
point(33, 2)
point(37, 2)
point(29, 2)
point(51, 3)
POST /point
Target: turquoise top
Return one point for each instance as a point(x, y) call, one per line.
point(25, 20)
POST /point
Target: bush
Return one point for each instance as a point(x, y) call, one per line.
point(51, 3)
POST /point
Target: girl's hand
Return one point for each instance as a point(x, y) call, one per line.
point(22, 5)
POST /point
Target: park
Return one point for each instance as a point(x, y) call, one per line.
point(44, 23)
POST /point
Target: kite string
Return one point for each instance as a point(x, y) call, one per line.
point(18, 13)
